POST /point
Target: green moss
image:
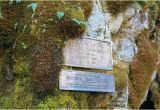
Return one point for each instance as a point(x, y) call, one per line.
point(65, 99)
point(121, 77)
point(57, 32)
point(1, 64)
point(142, 67)
point(154, 88)
point(102, 100)
point(86, 6)
point(153, 6)
point(159, 72)
point(99, 101)
point(73, 23)
point(158, 12)
point(49, 44)
point(44, 37)
point(5, 102)
point(21, 96)
point(116, 7)
point(11, 16)
point(142, 4)
point(21, 66)
point(50, 26)
point(82, 99)
point(60, 101)
point(5, 94)
point(119, 71)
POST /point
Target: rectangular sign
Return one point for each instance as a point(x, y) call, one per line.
point(88, 53)
point(86, 81)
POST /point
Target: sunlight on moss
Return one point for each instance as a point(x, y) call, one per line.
point(61, 101)
point(5, 102)
point(21, 97)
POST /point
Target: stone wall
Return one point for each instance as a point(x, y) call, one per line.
point(32, 43)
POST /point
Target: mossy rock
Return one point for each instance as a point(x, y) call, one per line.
point(121, 77)
point(5, 102)
point(141, 69)
point(21, 66)
point(22, 96)
point(39, 30)
point(58, 20)
point(153, 6)
point(116, 7)
point(60, 101)
point(1, 64)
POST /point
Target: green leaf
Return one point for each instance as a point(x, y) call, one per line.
point(78, 22)
point(34, 7)
point(1, 17)
point(138, 6)
point(60, 15)
point(24, 46)
point(18, 1)
point(10, 2)
point(145, 1)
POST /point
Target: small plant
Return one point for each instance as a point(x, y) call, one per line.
point(1, 17)
point(153, 6)
point(141, 4)
point(60, 15)
point(34, 7)
point(24, 45)
point(116, 7)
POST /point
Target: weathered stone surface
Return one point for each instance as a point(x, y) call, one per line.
point(97, 23)
point(130, 12)
point(115, 23)
point(126, 50)
point(121, 100)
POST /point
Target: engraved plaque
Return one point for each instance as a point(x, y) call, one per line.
point(88, 53)
point(86, 81)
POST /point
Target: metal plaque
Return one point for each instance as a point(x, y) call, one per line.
point(88, 53)
point(86, 81)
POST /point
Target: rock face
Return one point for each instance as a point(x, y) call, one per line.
point(36, 47)
point(133, 51)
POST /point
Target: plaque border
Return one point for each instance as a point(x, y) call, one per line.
point(109, 69)
point(97, 73)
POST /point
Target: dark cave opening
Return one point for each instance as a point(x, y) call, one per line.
point(148, 104)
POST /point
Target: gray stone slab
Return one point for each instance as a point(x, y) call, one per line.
point(88, 53)
point(86, 81)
